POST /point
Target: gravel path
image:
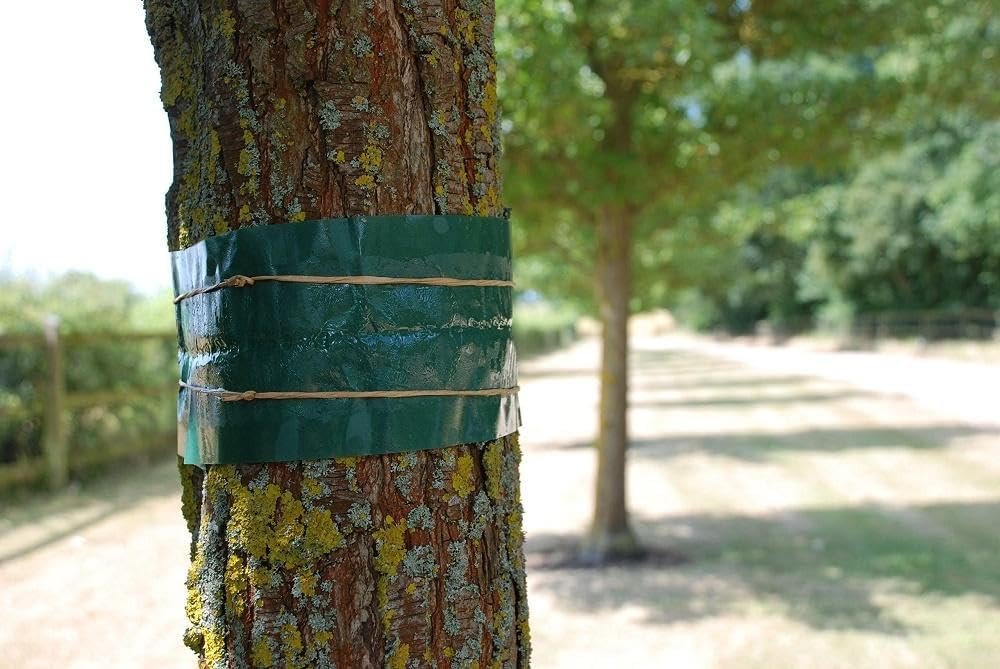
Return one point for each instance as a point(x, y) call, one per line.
point(801, 510)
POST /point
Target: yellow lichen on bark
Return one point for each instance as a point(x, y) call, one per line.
point(462, 480)
point(282, 112)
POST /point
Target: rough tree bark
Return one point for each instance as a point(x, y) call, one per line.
point(287, 110)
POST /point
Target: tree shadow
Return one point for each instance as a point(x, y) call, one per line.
point(555, 373)
point(761, 446)
point(677, 359)
point(743, 400)
point(729, 381)
point(829, 569)
point(117, 490)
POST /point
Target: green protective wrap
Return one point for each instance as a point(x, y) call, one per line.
point(276, 336)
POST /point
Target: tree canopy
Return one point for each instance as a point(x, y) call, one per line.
point(684, 114)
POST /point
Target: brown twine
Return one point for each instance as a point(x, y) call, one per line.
point(239, 281)
point(251, 395)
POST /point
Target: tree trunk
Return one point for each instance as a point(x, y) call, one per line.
point(610, 534)
point(288, 110)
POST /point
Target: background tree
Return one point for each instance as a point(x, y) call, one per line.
point(84, 304)
point(634, 119)
point(287, 111)
point(916, 228)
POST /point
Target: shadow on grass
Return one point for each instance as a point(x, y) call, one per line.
point(91, 502)
point(555, 373)
point(691, 375)
point(829, 569)
point(760, 446)
point(663, 379)
point(793, 398)
point(678, 369)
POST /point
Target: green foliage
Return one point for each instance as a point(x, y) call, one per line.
point(84, 304)
point(684, 117)
point(915, 228)
point(542, 326)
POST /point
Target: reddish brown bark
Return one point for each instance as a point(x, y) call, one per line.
point(285, 110)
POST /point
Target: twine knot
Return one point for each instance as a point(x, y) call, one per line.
point(239, 281)
point(248, 395)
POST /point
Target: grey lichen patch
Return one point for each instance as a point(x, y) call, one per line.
point(442, 173)
point(362, 46)
point(190, 499)
point(301, 584)
point(420, 518)
point(468, 655)
point(483, 515)
point(236, 78)
point(504, 614)
point(456, 585)
point(315, 468)
point(351, 472)
point(425, 45)
point(313, 487)
point(263, 575)
point(482, 507)
point(322, 620)
point(322, 629)
point(479, 65)
point(420, 562)
point(360, 515)
point(282, 177)
point(402, 466)
point(260, 481)
point(455, 578)
point(360, 103)
point(438, 124)
point(444, 467)
point(329, 116)
point(206, 603)
point(281, 186)
point(324, 662)
point(403, 482)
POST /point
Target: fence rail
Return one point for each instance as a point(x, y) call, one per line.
point(869, 327)
point(930, 325)
point(57, 460)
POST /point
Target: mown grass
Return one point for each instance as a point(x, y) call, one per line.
point(791, 522)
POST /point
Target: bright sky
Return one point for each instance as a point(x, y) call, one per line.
point(85, 154)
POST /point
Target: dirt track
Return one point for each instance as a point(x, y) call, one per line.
point(820, 522)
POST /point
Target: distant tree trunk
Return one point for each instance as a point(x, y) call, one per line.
point(610, 533)
point(288, 110)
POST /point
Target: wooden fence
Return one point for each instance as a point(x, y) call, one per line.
point(57, 460)
point(870, 327)
point(930, 325)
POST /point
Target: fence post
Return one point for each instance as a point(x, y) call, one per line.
point(53, 434)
